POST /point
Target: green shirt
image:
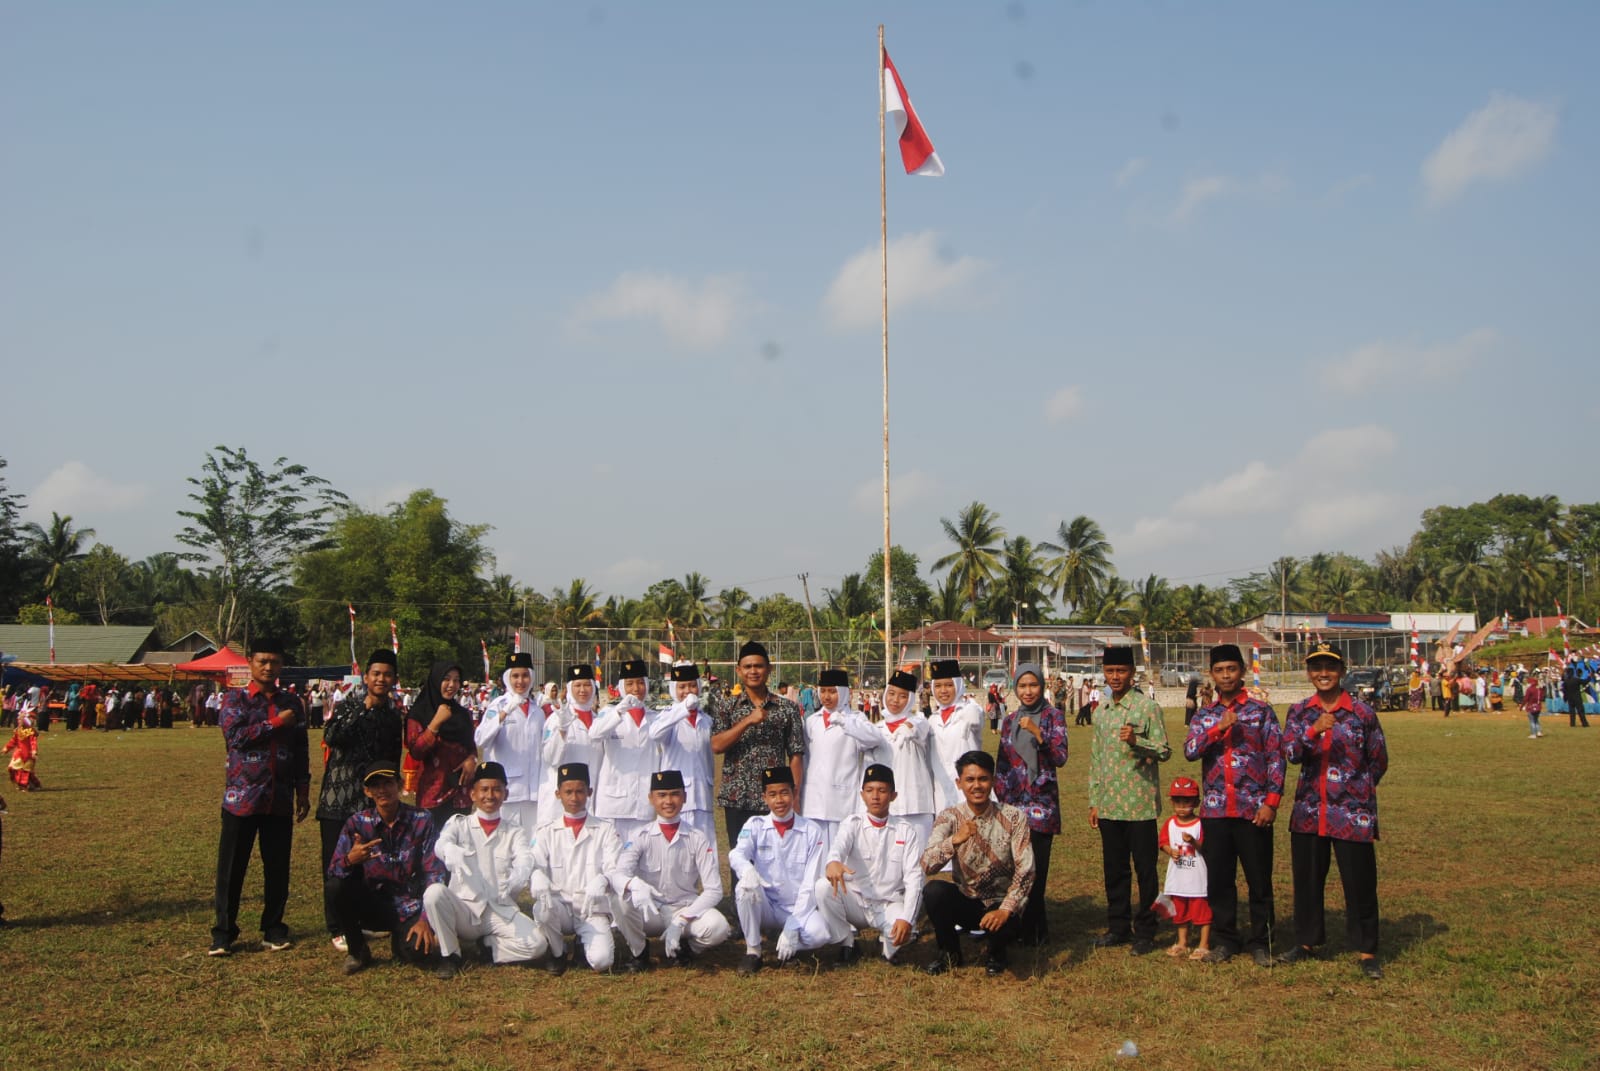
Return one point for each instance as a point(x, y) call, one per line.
point(1125, 779)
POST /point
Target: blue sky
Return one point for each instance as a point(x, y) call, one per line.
point(1236, 280)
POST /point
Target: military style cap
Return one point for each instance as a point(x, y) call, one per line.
point(580, 672)
point(572, 771)
point(666, 781)
point(777, 775)
point(944, 669)
point(878, 772)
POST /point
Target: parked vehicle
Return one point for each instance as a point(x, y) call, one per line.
point(1362, 683)
point(1178, 674)
point(997, 675)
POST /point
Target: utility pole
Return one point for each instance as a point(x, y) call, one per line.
point(816, 648)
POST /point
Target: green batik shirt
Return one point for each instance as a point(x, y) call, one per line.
point(1125, 779)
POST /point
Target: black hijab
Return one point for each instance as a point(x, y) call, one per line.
point(458, 730)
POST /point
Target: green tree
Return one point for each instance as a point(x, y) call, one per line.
point(12, 570)
point(251, 523)
point(976, 559)
point(730, 606)
point(1080, 560)
point(911, 593)
point(1152, 601)
point(852, 598)
point(56, 547)
point(1022, 587)
point(102, 581)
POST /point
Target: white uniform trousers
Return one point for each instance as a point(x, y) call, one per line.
point(705, 931)
point(841, 911)
point(593, 932)
point(511, 940)
point(758, 911)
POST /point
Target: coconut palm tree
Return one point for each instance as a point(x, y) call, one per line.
point(730, 605)
point(1528, 572)
point(1108, 603)
point(57, 546)
point(697, 612)
point(1081, 559)
point(975, 561)
point(1021, 589)
point(1152, 599)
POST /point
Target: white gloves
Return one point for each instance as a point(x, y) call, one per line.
point(692, 701)
point(595, 900)
point(505, 889)
point(544, 907)
point(788, 945)
point(672, 936)
point(749, 881)
point(643, 896)
point(539, 884)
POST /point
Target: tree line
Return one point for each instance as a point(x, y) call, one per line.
point(275, 548)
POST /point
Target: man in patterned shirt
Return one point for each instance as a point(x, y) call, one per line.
point(382, 866)
point(992, 850)
point(268, 777)
point(753, 731)
point(1239, 746)
point(1130, 743)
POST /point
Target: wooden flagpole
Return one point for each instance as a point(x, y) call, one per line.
point(883, 239)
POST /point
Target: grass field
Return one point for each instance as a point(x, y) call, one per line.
point(1491, 943)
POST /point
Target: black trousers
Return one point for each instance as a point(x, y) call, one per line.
point(234, 847)
point(1575, 711)
point(331, 828)
point(1232, 844)
point(361, 907)
point(948, 907)
point(1120, 842)
point(1358, 873)
point(1035, 928)
point(736, 817)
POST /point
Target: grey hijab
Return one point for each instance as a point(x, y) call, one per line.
point(1021, 739)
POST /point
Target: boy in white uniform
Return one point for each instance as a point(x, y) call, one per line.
point(567, 731)
point(683, 731)
point(668, 883)
point(905, 740)
point(628, 755)
point(573, 857)
point(511, 733)
point(489, 859)
point(777, 860)
point(874, 874)
point(836, 739)
point(957, 724)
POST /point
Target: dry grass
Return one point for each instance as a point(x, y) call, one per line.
point(1489, 938)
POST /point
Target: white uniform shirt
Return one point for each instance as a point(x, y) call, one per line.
point(686, 747)
point(477, 862)
point(513, 737)
point(628, 757)
point(788, 864)
point(571, 863)
point(952, 738)
point(906, 751)
point(567, 739)
point(887, 862)
point(684, 870)
point(835, 743)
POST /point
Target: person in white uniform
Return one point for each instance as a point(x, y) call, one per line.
point(668, 883)
point(568, 731)
point(628, 754)
point(683, 732)
point(836, 739)
point(777, 861)
point(874, 876)
point(511, 733)
point(957, 724)
point(490, 860)
point(573, 858)
point(905, 746)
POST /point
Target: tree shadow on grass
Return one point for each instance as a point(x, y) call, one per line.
point(144, 912)
point(1397, 937)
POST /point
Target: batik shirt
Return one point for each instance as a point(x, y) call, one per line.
point(355, 736)
point(1125, 779)
point(996, 865)
point(1337, 795)
point(1240, 769)
point(1036, 795)
point(771, 743)
point(402, 867)
point(267, 757)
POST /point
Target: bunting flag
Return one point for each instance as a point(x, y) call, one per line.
point(1144, 642)
point(355, 667)
point(50, 616)
point(1555, 657)
point(1255, 664)
point(1414, 660)
point(394, 636)
point(916, 148)
point(598, 675)
point(487, 676)
point(516, 641)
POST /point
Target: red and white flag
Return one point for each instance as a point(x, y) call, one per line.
point(486, 672)
point(916, 148)
point(1555, 657)
point(394, 636)
point(50, 615)
point(355, 667)
point(665, 655)
point(516, 641)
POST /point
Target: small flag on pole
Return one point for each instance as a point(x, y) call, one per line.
point(50, 615)
point(394, 636)
point(484, 644)
point(1255, 664)
point(355, 667)
point(516, 641)
point(665, 655)
point(916, 148)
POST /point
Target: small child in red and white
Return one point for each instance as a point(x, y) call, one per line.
point(1183, 897)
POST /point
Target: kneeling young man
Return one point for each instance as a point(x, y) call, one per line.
point(572, 857)
point(489, 858)
point(778, 859)
point(874, 873)
point(668, 882)
point(382, 865)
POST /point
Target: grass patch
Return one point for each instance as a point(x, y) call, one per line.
point(1485, 872)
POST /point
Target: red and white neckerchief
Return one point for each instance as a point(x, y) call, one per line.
point(585, 716)
point(574, 824)
point(946, 712)
point(893, 725)
point(669, 830)
point(784, 826)
point(878, 823)
point(488, 825)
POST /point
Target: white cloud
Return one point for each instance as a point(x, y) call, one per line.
point(1200, 191)
point(1349, 448)
point(1504, 139)
point(1253, 488)
point(1130, 171)
point(76, 490)
point(1341, 190)
point(905, 489)
point(692, 316)
point(1391, 364)
point(630, 572)
point(918, 271)
point(1328, 519)
point(1154, 533)
point(1064, 404)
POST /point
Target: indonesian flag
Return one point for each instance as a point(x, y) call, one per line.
point(665, 655)
point(1555, 657)
point(50, 615)
point(355, 667)
point(394, 636)
point(486, 672)
point(916, 148)
point(516, 641)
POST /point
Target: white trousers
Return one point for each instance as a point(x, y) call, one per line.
point(511, 940)
point(841, 911)
point(705, 931)
point(593, 932)
point(758, 911)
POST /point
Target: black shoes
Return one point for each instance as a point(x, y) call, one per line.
point(1370, 968)
point(358, 961)
point(1261, 957)
point(1110, 940)
point(849, 954)
point(994, 965)
point(448, 968)
point(942, 964)
point(1218, 955)
point(749, 965)
point(556, 965)
point(637, 964)
point(1297, 954)
point(1142, 946)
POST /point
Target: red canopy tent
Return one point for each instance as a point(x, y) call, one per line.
point(218, 663)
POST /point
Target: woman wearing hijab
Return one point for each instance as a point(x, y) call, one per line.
point(567, 735)
point(906, 746)
point(512, 734)
point(1033, 745)
point(439, 736)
